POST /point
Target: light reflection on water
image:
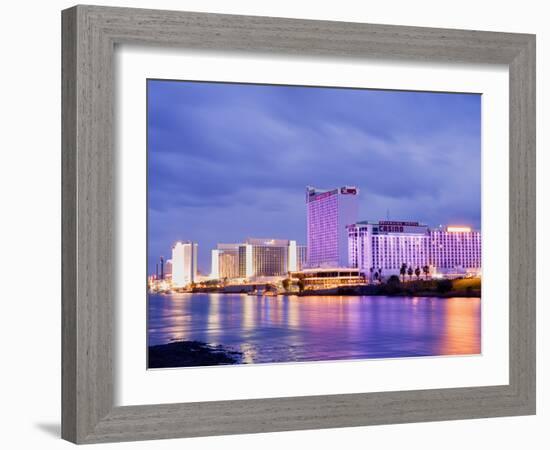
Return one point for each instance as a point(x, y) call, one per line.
point(291, 328)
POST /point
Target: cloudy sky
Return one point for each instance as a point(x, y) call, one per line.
point(230, 161)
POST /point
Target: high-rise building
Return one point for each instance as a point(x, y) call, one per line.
point(292, 257)
point(328, 214)
point(256, 258)
point(215, 265)
point(271, 257)
point(455, 248)
point(225, 261)
point(383, 247)
point(168, 269)
point(301, 257)
point(184, 263)
point(246, 270)
point(297, 256)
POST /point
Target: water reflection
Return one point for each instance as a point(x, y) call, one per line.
point(277, 329)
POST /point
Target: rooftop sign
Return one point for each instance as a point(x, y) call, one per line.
point(400, 224)
point(458, 229)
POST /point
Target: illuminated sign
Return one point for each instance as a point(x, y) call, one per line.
point(348, 190)
point(391, 228)
point(458, 229)
point(402, 224)
point(313, 196)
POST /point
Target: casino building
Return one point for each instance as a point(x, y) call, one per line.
point(384, 246)
point(257, 258)
point(328, 213)
point(387, 245)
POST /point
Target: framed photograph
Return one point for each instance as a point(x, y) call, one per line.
point(278, 224)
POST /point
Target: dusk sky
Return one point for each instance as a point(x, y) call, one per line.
point(231, 161)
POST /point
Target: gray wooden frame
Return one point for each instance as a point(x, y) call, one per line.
point(88, 154)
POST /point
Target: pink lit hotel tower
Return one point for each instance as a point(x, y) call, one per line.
point(328, 214)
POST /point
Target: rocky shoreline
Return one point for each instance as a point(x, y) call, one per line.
point(190, 354)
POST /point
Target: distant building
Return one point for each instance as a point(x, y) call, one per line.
point(328, 214)
point(246, 269)
point(301, 257)
point(162, 268)
point(184, 263)
point(168, 269)
point(256, 258)
point(383, 247)
point(225, 261)
point(215, 264)
point(272, 257)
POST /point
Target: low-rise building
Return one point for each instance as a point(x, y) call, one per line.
point(326, 278)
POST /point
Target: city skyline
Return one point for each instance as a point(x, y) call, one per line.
point(460, 244)
point(230, 161)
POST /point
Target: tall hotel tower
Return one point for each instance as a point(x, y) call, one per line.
point(184, 263)
point(328, 214)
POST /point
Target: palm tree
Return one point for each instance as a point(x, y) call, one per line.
point(426, 270)
point(403, 271)
point(371, 270)
point(410, 273)
point(286, 284)
point(417, 272)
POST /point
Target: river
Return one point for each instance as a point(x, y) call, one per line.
point(292, 328)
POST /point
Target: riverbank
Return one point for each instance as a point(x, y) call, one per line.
point(394, 286)
point(189, 354)
point(467, 287)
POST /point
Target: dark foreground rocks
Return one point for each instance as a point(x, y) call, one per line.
point(189, 354)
